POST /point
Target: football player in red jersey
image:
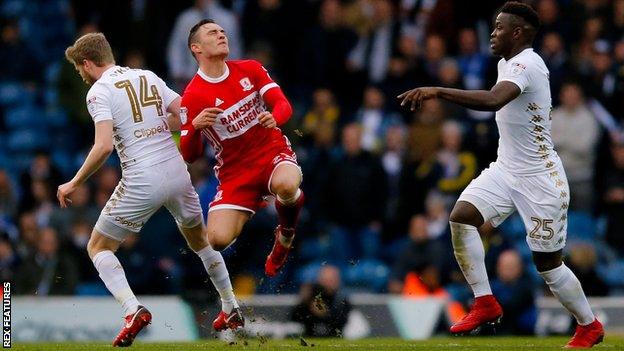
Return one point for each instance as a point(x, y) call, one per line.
point(238, 108)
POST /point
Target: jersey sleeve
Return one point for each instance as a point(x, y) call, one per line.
point(191, 146)
point(261, 78)
point(168, 95)
point(99, 104)
point(518, 73)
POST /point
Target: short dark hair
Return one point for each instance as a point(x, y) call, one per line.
point(194, 29)
point(522, 10)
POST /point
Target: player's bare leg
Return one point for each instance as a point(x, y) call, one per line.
point(230, 316)
point(102, 249)
point(465, 218)
point(568, 290)
point(284, 183)
point(224, 226)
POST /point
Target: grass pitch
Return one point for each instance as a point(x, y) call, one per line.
point(434, 344)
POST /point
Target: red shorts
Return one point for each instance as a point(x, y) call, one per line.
point(247, 189)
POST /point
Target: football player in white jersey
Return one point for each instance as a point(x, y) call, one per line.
point(527, 177)
point(134, 111)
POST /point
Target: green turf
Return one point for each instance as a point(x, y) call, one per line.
point(434, 344)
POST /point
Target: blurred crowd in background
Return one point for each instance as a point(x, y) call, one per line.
point(380, 180)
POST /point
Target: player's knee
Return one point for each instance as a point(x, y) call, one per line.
point(97, 244)
point(218, 241)
point(546, 261)
point(466, 213)
point(285, 187)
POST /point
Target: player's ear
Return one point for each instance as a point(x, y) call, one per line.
point(195, 48)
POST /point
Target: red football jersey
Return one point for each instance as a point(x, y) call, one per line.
point(237, 137)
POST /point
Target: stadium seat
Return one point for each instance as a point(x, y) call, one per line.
point(15, 94)
point(613, 273)
point(513, 228)
point(56, 117)
point(27, 140)
point(21, 118)
point(367, 273)
point(581, 227)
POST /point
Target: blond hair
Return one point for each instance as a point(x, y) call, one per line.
point(93, 47)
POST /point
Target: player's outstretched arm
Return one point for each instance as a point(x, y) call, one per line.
point(102, 148)
point(483, 100)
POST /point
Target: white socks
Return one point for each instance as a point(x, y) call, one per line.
point(113, 276)
point(215, 266)
point(470, 256)
point(568, 290)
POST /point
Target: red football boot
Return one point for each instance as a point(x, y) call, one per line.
point(279, 254)
point(586, 336)
point(134, 324)
point(233, 320)
point(485, 311)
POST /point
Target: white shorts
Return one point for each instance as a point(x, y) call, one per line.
point(541, 200)
point(142, 192)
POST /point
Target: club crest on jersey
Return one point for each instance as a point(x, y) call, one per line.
point(246, 84)
point(183, 112)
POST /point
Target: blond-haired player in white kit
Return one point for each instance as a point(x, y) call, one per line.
point(134, 111)
point(527, 176)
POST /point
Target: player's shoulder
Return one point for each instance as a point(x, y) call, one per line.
point(98, 88)
point(528, 59)
point(245, 65)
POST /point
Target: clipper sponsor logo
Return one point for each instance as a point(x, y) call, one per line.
point(240, 117)
point(6, 315)
point(150, 132)
point(128, 223)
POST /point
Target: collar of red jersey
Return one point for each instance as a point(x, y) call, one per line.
point(214, 80)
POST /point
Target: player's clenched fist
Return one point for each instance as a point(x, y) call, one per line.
point(267, 120)
point(206, 118)
point(417, 96)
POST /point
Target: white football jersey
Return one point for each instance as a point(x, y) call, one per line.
point(136, 101)
point(525, 146)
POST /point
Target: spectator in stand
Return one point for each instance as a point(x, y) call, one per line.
point(8, 196)
point(182, 65)
point(323, 309)
point(41, 169)
point(355, 198)
point(374, 119)
point(8, 258)
point(437, 215)
point(457, 167)
point(392, 163)
point(76, 246)
point(421, 253)
point(434, 54)
point(576, 149)
point(614, 199)
point(556, 59)
point(69, 85)
point(324, 110)
point(81, 209)
point(373, 51)
point(18, 61)
point(48, 270)
point(582, 260)
point(514, 290)
point(28, 234)
point(323, 59)
point(472, 63)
